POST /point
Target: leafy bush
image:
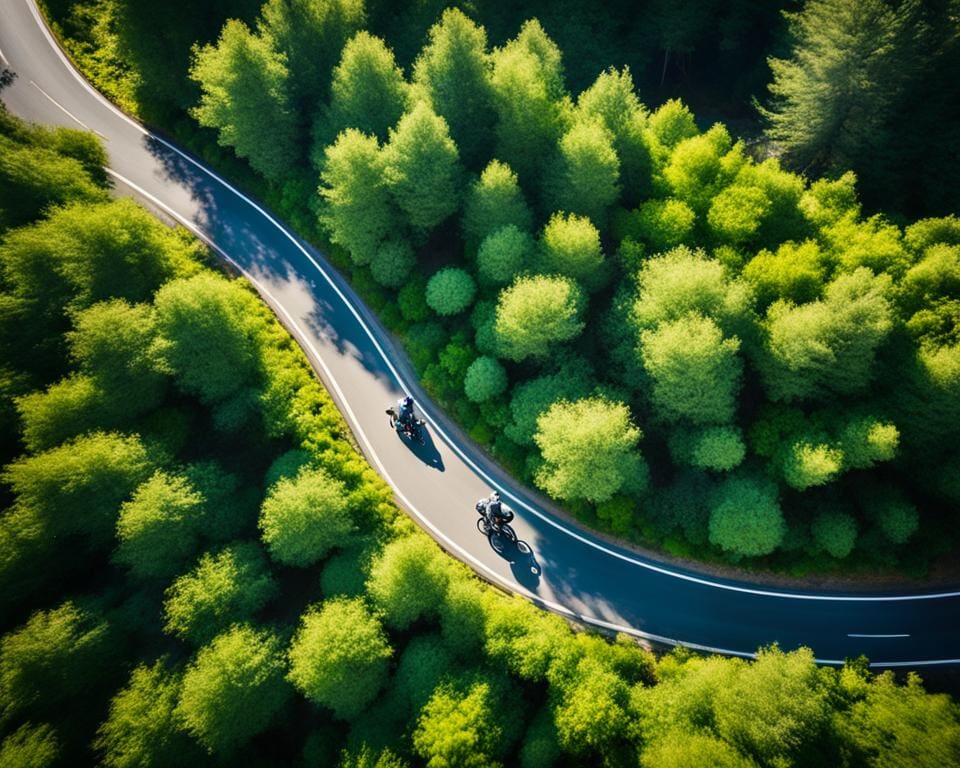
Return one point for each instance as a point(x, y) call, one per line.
point(392, 263)
point(503, 254)
point(450, 291)
point(485, 379)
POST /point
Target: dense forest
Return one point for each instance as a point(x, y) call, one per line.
point(687, 344)
point(197, 568)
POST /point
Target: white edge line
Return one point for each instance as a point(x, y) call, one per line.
point(4, 59)
point(451, 443)
point(305, 340)
point(511, 586)
point(67, 112)
point(867, 635)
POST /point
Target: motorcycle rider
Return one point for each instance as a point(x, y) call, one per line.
point(405, 415)
point(494, 510)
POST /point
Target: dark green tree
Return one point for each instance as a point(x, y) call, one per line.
point(745, 517)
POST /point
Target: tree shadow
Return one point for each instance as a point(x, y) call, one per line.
point(426, 451)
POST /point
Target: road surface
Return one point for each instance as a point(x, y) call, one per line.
point(563, 568)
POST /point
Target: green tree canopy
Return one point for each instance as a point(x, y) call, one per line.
point(701, 166)
point(310, 34)
point(683, 749)
point(368, 91)
point(672, 122)
point(450, 291)
point(503, 254)
point(30, 746)
point(663, 224)
point(339, 657)
point(589, 450)
point(591, 716)
point(357, 208)
point(233, 689)
point(392, 263)
point(158, 527)
point(52, 658)
point(530, 100)
point(141, 728)
point(78, 486)
point(225, 587)
point(458, 726)
point(835, 532)
point(485, 379)
point(745, 517)
point(422, 168)
point(584, 177)
point(827, 347)
point(720, 448)
point(535, 313)
point(453, 72)
point(570, 245)
point(408, 580)
point(696, 372)
point(531, 398)
point(304, 517)
point(246, 99)
point(794, 272)
point(494, 201)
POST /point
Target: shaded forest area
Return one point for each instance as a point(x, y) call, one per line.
point(758, 371)
point(197, 568)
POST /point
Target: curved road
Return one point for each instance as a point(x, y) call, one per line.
point(566, 570)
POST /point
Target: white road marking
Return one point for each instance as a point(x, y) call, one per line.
point(856, 635)
point(439, 534)
point(4, 59)
point(67, 112)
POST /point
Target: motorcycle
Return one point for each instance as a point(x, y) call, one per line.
point(412, 429)
point(489, 527)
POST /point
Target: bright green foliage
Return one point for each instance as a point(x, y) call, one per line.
point(696, 372)
point(570, 245)
point(71, 407)
point(158, 527)
point(367, 758)
point(304, 517)
point(535, 313)
point(745, 517)
point(896, 517)
point(426, 661)
point(809, 464)
point(357, 209)
point(368, 91)
point(922, 234)
point(422, 168)
point(737, 213)
point(827, 346)
point(935, 276)
point(830, 99)
point(494, 201)
point(530, 100)
point(225, 587)
point(503, 254)
point(873, 243)
point(589, 450)
point(672, 123)
point(450, 291)
point(52, 658)
point(835, 532)
point(794, 273)
point(78, 487)
point(392, 263)
point(683, 281)
point(867, 440)
point(522, 639)
point(776, 708)
point(30, 746)
point(665, 224)
point(531, 398)
point(612, 99)
point(591, 715)
point(84, 254)
point(141, 728)
point(682, 749)
point(310, 35)
point(339, 657)
point(585, 176)
point(453, 72)
point(209, 328)
point(719, 448)
point(245, 97)
point(408, 580)
point(233, 689)
point(458, 727)
point(485, 379)
point(894, 725)
point(829, 200)
point(700, 167)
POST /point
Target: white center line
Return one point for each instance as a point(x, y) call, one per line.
point(856, 635)
point(66, 111)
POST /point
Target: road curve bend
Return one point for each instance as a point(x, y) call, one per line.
point(563, 568)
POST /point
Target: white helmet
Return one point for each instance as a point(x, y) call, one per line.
point(495, 495)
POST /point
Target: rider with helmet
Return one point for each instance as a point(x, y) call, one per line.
point(405, 416)
point(494, 510)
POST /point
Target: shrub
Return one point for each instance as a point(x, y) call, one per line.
point(835, 532)
point(450, 291)
point(745, 517)
point(392, 263)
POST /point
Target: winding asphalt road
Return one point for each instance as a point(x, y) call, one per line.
point(562, 568)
